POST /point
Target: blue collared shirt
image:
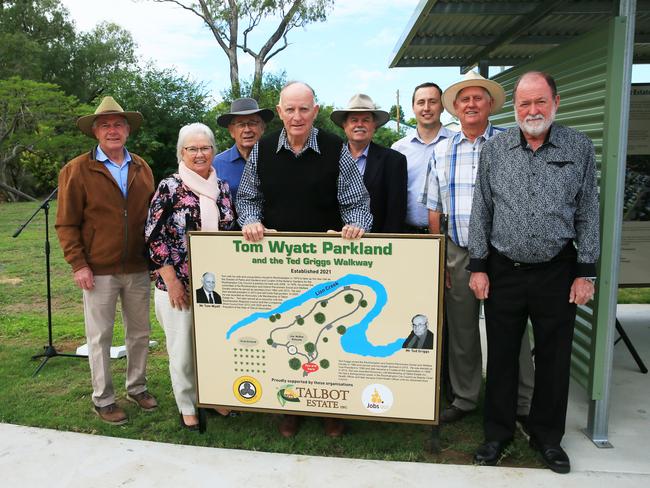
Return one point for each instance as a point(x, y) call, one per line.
point(229, 166)
point(418, 154)
point(361, 160)
point(120, 173)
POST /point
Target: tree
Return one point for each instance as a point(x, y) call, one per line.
point(385, 136)
point(38, 42)
point(37, 134)
point(98, 55)
point(167, 102)
point(393, 113)
point(222, 17)
point(34, 35)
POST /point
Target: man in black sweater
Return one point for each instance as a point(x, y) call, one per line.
point(302, 179)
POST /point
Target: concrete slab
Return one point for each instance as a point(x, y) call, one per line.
point(32, 457)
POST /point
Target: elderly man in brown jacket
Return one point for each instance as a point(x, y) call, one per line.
point(103, 200)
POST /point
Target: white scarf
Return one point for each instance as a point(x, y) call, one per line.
point(208, 192)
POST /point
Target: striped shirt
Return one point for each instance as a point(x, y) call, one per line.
point(353, 198)
point(449, 185)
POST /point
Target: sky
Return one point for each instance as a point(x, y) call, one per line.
point(347, 54)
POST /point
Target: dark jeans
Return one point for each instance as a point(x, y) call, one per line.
point(517, 292)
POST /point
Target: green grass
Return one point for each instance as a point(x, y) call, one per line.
point(60, 396)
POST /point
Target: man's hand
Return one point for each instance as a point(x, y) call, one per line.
point(581, 291)
point(84, 278)
point(352, 232)
point(479, 283)
point(253, 232)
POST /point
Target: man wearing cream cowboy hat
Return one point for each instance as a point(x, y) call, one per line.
point(383, 169)
point(103, 200)
point(449, 189)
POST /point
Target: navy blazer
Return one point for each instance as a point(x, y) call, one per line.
point(385, 178)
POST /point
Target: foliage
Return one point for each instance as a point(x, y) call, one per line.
point(37, 134)
point(393, 113)
point(225, 19)
point(167, 102)
point(386, 137)
point(39, 42)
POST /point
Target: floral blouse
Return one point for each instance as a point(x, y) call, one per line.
point(179, 208)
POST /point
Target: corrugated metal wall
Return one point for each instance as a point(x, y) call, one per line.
point(581, 72)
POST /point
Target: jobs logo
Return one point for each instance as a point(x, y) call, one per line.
point(377, 398)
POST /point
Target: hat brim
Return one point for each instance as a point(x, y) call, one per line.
point(495, 90)
point(339, 116)
point(225, 119)
point(85, 123)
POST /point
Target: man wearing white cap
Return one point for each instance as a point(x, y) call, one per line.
point(103, 201)
point(449, 189)
point(383, 169)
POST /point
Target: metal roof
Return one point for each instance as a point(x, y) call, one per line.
point(468, 33)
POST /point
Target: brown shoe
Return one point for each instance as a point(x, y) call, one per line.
point(289, 425)
point(111, 414)
point(144, 400)
point(334, 427)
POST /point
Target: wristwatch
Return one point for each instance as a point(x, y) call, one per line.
point(590, 279)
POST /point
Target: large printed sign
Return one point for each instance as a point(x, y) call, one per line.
point(313, 324)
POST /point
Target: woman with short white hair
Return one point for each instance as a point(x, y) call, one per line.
point(191, 199)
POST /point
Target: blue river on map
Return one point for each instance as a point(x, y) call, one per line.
point(354, 340)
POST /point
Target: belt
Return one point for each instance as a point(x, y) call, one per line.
point(412, 229)
point(567, 252)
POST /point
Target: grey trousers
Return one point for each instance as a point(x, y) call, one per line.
point(100, 304)
point(464, 347)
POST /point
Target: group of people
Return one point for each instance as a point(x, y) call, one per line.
point(522, 206)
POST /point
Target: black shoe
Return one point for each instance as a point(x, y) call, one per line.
point(491, 452)
point(452, 414)
point(554, 457)
point(192, 428)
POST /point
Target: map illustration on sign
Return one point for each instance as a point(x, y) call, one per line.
point(342, 309)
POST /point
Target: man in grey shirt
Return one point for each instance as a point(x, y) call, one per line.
point(533, 244)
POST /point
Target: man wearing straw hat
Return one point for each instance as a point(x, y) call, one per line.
point(103, 200)
point(383, 169)
point(449, 190)
point(245, 123)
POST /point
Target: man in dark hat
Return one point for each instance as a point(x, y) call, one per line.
point(383, 169)
point(246, 123)
point(104, 196)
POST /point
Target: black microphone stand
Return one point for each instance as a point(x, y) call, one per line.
point(49, 350)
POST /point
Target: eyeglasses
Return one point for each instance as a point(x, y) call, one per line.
point(253, 124)
point(195, 150)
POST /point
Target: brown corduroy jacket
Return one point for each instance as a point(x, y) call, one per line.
point(96, 225)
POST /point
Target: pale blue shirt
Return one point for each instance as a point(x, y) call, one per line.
point(418, 154)
point(120, 173)
point(361, 160)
